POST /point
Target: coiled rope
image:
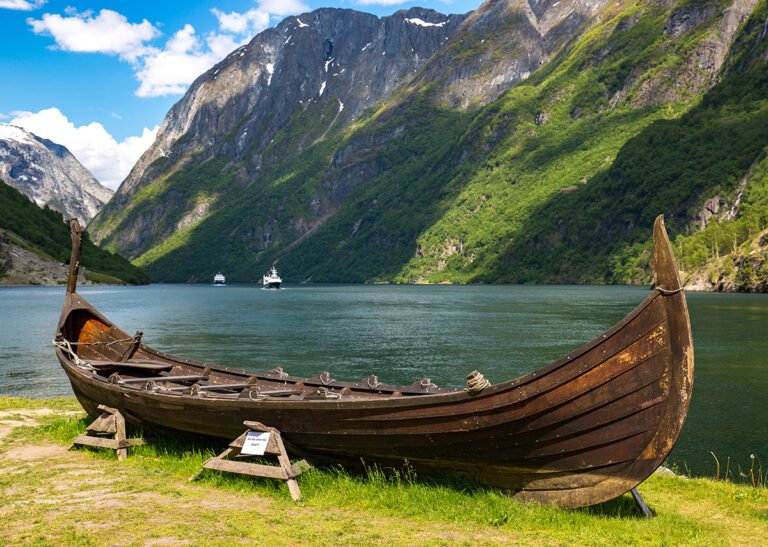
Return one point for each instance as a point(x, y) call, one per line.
point(327, 393)
point(373, 381)
point(279, 372)
point(254, 394)
point(325, 378)
point(476, 382)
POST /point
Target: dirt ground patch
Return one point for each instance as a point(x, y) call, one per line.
point(37, 452)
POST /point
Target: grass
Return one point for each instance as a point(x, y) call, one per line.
point(65, 404)
point(51, 496)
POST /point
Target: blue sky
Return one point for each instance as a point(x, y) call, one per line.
point(99, 77)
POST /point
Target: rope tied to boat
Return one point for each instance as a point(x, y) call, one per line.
point(427, 384)
point(279, 372)
point(66, 346)
point(373, 381)
point(102, 343)
point(327, 393)
point(476, 382)
point(668, 292)
point(257, 392)
point(325, 378)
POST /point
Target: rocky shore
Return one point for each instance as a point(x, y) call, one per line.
point(19, 266)
point(743, 270)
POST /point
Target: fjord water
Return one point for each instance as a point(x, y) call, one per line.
point(406, 333)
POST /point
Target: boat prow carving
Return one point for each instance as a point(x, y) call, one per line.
point(666, 277)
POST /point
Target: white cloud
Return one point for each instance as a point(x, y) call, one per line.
point(21, 5)
point(108, 32)
point(283, 7)
point(222, 45)
point(109, 161)
point(379, 2)
point(171, 70)
point(186, 55)
point(251, 22)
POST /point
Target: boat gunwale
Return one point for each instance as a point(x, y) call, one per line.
point(446, 395)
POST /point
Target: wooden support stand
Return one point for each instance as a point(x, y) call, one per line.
point(285, 470)
point(111, 422)
point(641, 503)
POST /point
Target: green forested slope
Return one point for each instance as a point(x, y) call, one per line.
point(713, 153)
point(672, 167)
point(46, 231)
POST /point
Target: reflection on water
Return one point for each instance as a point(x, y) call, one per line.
point(405, 333)
point(729, 409)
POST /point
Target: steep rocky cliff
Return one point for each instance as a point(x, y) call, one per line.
point(506, 145)
point(307, 79)
point(315, 73)
point(502, 43)
point(49, 174)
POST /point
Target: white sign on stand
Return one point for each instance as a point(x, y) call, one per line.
point(255, 443)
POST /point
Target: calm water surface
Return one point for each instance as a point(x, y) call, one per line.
point(406, 333)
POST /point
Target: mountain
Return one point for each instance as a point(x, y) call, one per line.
point(49, 174)
point(35, 247)
point(292, 87)
point(531, 142)
point(705, 167)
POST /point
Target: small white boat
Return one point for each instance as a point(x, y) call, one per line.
point(271, 280)
point(219, 280)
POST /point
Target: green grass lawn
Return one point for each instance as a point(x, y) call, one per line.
point(53, 496)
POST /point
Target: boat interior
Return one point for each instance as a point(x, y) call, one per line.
point(111, 355)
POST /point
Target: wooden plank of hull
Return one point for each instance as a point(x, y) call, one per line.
point(503, 406)
point(582, 430)
point(343, 417)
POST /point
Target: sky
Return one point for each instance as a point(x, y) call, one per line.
point(99, 77)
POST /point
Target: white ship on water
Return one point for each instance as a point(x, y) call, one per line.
point(272, 279)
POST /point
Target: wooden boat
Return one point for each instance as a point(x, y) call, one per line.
point(582, 430)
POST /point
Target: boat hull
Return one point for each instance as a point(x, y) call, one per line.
point(585, 429)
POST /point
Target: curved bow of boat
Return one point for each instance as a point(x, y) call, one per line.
point(74, 261)
point(667, 282)
point(627, 403)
